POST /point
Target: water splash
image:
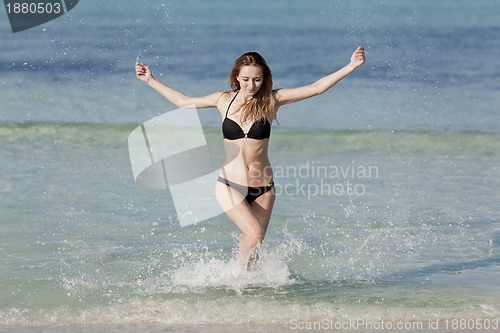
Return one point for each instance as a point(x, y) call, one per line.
point(271, 270)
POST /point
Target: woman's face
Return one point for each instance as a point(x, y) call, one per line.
point(250, 79)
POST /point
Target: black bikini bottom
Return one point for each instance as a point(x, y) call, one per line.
point(250, 193)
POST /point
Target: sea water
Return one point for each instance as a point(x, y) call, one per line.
point(387, 206)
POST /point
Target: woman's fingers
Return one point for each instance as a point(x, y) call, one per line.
point(142, 72)
point(360, 53)
point(140, 69)
point(358, 57)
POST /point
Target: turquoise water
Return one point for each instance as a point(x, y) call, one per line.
point(83, 245)
point(402, 226)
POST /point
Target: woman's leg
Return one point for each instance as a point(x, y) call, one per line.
point(239, 211)
point(252, 219)
point(262, 207)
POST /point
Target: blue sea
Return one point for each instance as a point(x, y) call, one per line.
point(387, 216)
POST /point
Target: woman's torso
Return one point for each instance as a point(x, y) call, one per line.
point(247, 161)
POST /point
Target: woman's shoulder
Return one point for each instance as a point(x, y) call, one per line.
point(226, 95)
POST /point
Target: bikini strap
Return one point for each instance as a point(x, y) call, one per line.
point(232, 101)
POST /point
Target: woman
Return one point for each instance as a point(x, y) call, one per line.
point(245, 188)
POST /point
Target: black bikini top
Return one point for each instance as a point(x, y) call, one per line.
point(232, 131)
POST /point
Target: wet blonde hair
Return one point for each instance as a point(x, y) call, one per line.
point(261, 106)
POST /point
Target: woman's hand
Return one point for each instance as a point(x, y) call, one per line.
point(357, 58)
point(143, 72)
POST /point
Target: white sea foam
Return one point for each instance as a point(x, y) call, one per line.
point(490, 310)
point(228, 311)
point(271, 270)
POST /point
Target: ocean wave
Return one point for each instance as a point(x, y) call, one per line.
point(229, 312)
point(297, 140)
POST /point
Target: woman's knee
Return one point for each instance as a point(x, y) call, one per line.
point(255, 236)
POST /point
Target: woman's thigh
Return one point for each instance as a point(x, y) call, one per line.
point(262, 207)
point(237, 209)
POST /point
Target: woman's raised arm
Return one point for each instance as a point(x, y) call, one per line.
point(143, 73)
point(286, 96)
